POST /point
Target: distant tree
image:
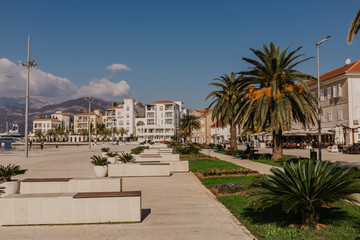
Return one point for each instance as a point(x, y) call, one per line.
point(122, 131)
point(39, 135)
point(83, 132)
point(188, 123)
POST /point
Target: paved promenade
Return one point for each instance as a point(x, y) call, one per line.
point(176, 207)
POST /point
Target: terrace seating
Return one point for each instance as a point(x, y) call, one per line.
point(66, 208)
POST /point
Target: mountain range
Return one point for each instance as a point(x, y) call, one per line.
point(12, 110)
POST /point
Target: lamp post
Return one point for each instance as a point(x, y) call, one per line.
point(318, 91)
point(89, 122)
point(112, 131)
point(30, 63)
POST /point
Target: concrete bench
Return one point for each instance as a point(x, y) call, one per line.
point(162, 158)
point(69, 185)
point(150, 155)
point(66, 208)
point(139, 170)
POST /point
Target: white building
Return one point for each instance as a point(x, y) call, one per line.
point(161, 121)
point(123, 115)
point(65, 119)
point(81, 120)
point(45, 124)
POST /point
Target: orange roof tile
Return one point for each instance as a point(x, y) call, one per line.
point(162, 101)
point(68, 114)
point(113, 108)
point(219, 124)
point(84, 114)
point(352, 67)
point(47, 119)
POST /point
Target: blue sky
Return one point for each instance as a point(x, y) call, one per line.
point(173, 48)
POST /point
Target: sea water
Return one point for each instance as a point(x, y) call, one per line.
point(5, 145)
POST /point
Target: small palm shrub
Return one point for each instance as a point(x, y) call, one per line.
point(99, 161)
point(307, 187)
point(112, 154)
point(2, 190)
point(9, 171)
point(139, 149)
point(126, 158)
point(105, 149)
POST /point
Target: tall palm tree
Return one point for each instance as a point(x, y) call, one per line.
point(83, 132)
point(277, 95)
point(39, 134)
point(188, 123)
point(60, 131)
point(50, 134)
point(226, 103)
point(354, 28)
point(106, 133)
point(122, 131)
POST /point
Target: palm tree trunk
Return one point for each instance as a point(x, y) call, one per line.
point(277, 145)
point(233, 144)
point(189, 137)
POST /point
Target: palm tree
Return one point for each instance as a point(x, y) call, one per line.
point(39, 134)
point(60, 132)
point(307, 187)
point(122, 131)
point(276, 95)
point(188, 123)
point(50, 133)
point(226, 103)
point(354, 28)
point(83, 132)
point(106, 133)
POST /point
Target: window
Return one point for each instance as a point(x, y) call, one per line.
point(202, 129)
point(340, 114)
point(322, 95)
point(322, 117)
point(161, 108)
point(329, 93)
point(202, 121)
point(339, 90)
point(329, 116)
point(335, 92)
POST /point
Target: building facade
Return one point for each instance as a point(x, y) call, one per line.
point(81, 120)
point(46, 124)
point(161, 121)
point(65, 118)
point(203, 135)
point(340, 100)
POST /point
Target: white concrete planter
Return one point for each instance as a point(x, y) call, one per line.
point(112, 160)
point(101, 171)
point(103, 154)
point(11, 187)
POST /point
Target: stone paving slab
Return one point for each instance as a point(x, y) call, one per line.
point(176, 207)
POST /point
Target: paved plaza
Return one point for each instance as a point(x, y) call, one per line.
point(176, 207)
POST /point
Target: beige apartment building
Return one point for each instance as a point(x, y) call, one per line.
point(203, 135)
point(81, 120)
point(340, 101)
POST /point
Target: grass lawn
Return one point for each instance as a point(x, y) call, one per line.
point(208, 164)
point(343, 221)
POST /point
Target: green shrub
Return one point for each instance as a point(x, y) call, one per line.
point(9, 171)
point(99, 161)
point(105, 149)
point(112, 154)
point(305, 188)
point(126, 158)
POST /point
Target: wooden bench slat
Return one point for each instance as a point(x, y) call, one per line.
point(147, 161)
point(154, 163)
point(46, 180)
point(107, 194)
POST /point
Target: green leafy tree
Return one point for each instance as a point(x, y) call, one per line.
point(277, 95)
point(39, 135)
point(106, 133)
point(307, 187)
point(188, 123)
point(226, 103)
point(50, 134)
point(83, 132)
point(354, 28)
point(122, 131)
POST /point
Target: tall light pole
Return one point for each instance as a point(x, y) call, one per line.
point(30, 63)
point(318, 91)
point(89, 125)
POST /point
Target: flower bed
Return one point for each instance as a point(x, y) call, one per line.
point(230, 187)
point(218, 172)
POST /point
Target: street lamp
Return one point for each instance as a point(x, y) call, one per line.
point(30, 63)
point(89, 122)
point(112, 131)
point(318, 90)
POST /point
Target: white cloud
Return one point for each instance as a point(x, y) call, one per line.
point(13, 82)
point(103, 88)
point(117, 67)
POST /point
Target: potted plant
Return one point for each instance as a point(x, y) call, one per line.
point(11, 186)
point(111, 157)
point(100, 165)
point(104, 151)
point(126, 158)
